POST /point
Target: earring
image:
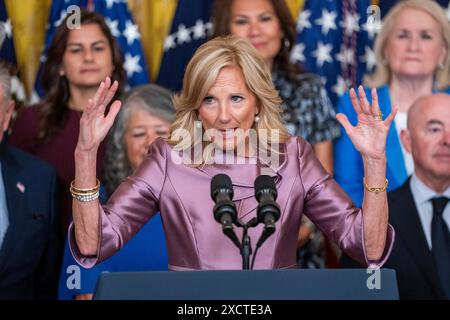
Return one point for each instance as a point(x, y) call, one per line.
point(440, 65)
point(257, 119)
point(286, 43)
point(61, 73)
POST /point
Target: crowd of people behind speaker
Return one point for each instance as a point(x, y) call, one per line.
point(413, 54)
point(77, 61)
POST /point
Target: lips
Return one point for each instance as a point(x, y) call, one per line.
point(259, 44)
point(89, 70)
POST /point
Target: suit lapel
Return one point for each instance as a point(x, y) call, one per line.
point(15, 201)
point(405, 219)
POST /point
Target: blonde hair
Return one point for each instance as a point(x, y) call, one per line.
point(200, 76)
point(381, 75)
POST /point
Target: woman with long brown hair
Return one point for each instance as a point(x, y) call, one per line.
point(77, 61)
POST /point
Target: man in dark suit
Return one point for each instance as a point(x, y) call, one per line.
point(29, 242)
point(419, 209)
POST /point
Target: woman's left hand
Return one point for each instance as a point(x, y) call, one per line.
point(369, 134)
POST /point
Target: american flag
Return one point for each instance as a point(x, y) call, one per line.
point(7, 51)
point(190, 28)
point(335, 39)
point(119, 19)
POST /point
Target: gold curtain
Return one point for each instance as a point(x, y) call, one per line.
point(154, 17)
point(28, 18)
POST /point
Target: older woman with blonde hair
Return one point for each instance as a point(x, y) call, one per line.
point(228, 98)
point(413, 54)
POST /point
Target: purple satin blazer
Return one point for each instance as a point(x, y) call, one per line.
point(195, 240)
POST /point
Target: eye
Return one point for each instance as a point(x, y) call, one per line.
point(99, 48)
point(74, 50)
point(240, 21)
point(402, 35)
point(426, 36)
point(236, 99)
point(208, 100)
point(434, 129)
point(266, 18)
point(138, 134)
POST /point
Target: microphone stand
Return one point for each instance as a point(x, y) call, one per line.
point(245, 246)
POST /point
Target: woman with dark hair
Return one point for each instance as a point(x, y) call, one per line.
point(77, 61)
point(306, 109)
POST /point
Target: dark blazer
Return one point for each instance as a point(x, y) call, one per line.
point(411, 257)
point(30, 252)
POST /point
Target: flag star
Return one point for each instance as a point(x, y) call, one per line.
point(169, 42)
point(131, 64)
point(346, 56)
point(323, 53)
point(131, 32)
point(369, 58)
point(327, 21)
point(303, 20)
point(61, 18)
point(7, 27)
point(297, 53)
point(17, 88)
point(113, 26)
point(110, 3)
point(340, 87)
point(209, 27)
point(350, 23)
point(183, 34)
point(372, 26)
point(199, 30)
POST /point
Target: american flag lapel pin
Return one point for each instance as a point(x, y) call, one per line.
point(20, 186)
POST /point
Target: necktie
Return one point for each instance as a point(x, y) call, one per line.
point(440, 239)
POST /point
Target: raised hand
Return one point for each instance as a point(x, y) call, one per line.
point(369, 135)
point(94, 125)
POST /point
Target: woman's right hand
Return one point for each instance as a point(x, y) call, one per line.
point(94, 125)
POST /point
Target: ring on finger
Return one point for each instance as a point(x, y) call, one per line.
point(378, 117)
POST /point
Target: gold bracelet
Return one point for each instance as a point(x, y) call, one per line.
point(74, 189)
point(376, 189)
point(75, 193)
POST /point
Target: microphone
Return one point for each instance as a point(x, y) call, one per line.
point(268, 211)
point(224, 209)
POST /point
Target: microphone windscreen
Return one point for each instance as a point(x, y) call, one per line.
point(264, 182)
point(220, 181)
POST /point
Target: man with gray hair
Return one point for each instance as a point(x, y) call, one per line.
point(29, 240)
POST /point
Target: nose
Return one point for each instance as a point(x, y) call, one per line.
point(414, 43)
point(255, 29)
point(88, 56)
point(224, 113)
point(446, 137)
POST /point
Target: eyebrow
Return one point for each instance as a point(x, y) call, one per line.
point(81, 44)
point(259, 14)
point(434, 121)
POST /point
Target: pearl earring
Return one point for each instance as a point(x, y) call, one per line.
point(257, 119)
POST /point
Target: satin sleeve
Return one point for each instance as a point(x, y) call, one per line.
point(333, 212)
point(134, 202)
